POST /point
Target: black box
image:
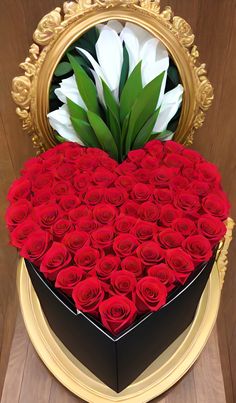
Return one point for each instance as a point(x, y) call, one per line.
point(118, 360)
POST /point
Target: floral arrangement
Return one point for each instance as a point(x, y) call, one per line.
point(120, 90)
point(117, 238)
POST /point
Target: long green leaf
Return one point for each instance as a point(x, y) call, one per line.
point(85, 86)
point(103, 134)
point(85, 132)
point(62, 69)
point(114, 126)
point(110, 100)
point(124, 70)
point(76, 111)
point(165, 135)
point(145, 133)
point(143, 108)
point(59, 138)
point(132, 89)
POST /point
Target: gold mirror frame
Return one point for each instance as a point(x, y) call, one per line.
point(61, 27)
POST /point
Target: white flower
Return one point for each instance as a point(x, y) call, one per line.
point(60, 121)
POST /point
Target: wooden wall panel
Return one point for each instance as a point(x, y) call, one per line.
point(214, 23)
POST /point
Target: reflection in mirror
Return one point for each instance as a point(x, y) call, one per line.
point(115, 88)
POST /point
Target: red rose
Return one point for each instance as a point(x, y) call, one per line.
point(32, 168)
point(150, 253)
point(56, 258)
point(106, 265)
point(150, 294)
point(189, 173)
point(62, 188)
point(20, 189)
point(17, 213)
point(21, 233)
point(75, 240)
point(123, 282)
point(198, 247)
point(187, 202)
point(78, 212)
point(130, 208)
point(42, 196)
point(125, 181)
point(36, 246)
point(69, 202)
point(180, 262)
point(65, 171)
point(103, 237)
point(115, 196)
point(176, 161)
point(68, 278)
point(124, 223)
point(216, 205)
point(85, 163)
point(144, 230)
point(45, 180)
point(164, 274)
point(171, 146)
point(150, 162)
point(117, 313)
point(169, 214)
point(178, 182)
point(47, 215)
point(142, 175)
point(163, 196)
point(103, 177)
point(154, 148)
point(200, 188)
point(86, 224)
point(60, 228)
point(184, 225)
point(162, 176)
point(87, 257)
point(108, 163)
point(105, 213)
point(136, 156)
point(211, 228)
point(193, 155)
point(141, 192)
point(126, 168)
point(88, 295)
point(149, 211)
point(81, 182)
point(125, 244)
point(208, 172)
point(170, 239)
point(132, 264)
point(94, 195)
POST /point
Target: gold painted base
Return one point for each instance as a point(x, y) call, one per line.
point(164, 372)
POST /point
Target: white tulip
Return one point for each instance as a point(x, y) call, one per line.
point(60, 121)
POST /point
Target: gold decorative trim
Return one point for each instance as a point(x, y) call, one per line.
point(223, 249)
point(62, 26)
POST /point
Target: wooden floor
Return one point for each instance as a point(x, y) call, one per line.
point(28, 380)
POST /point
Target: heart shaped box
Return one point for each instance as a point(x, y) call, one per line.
point(118, 360)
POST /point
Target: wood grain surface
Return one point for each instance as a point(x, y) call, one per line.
point(28, 380)
point(214, 23)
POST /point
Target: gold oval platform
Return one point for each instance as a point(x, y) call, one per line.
point(156, 379)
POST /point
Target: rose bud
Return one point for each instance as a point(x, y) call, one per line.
point(75, 240)
point(198, 247)
point(88, 295)
point(107, 265)
point(125, 245)
point(164, 274)
point(87, 257)
point(123, 282)
point(36, 246)
point(180, 262)
point(20, 189)
point(68, 278)
point(117, 313)
point(56, 258)
point(211, 228)
point(185, 226)
point(150, 294)
point(150, 253)
point(105, 213)
point(132, 264)
point(169, 238)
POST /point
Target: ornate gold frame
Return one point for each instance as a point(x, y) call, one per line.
point(61, 27)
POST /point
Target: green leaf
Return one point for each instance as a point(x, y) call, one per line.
point(143, 108)
point(52, 94)
point(165, 135)
point(76, 111)
point(124, 71)
point(62, 69)
point(132, 89)
point(124, 132)
point(145, 133)
point(115, 129)
point(85, 86)
point(59, 138)
point(103, 134)
point(110, 100)
point(173, 75)
point(85, 132)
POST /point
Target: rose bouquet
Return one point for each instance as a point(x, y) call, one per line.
point(117, 238)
